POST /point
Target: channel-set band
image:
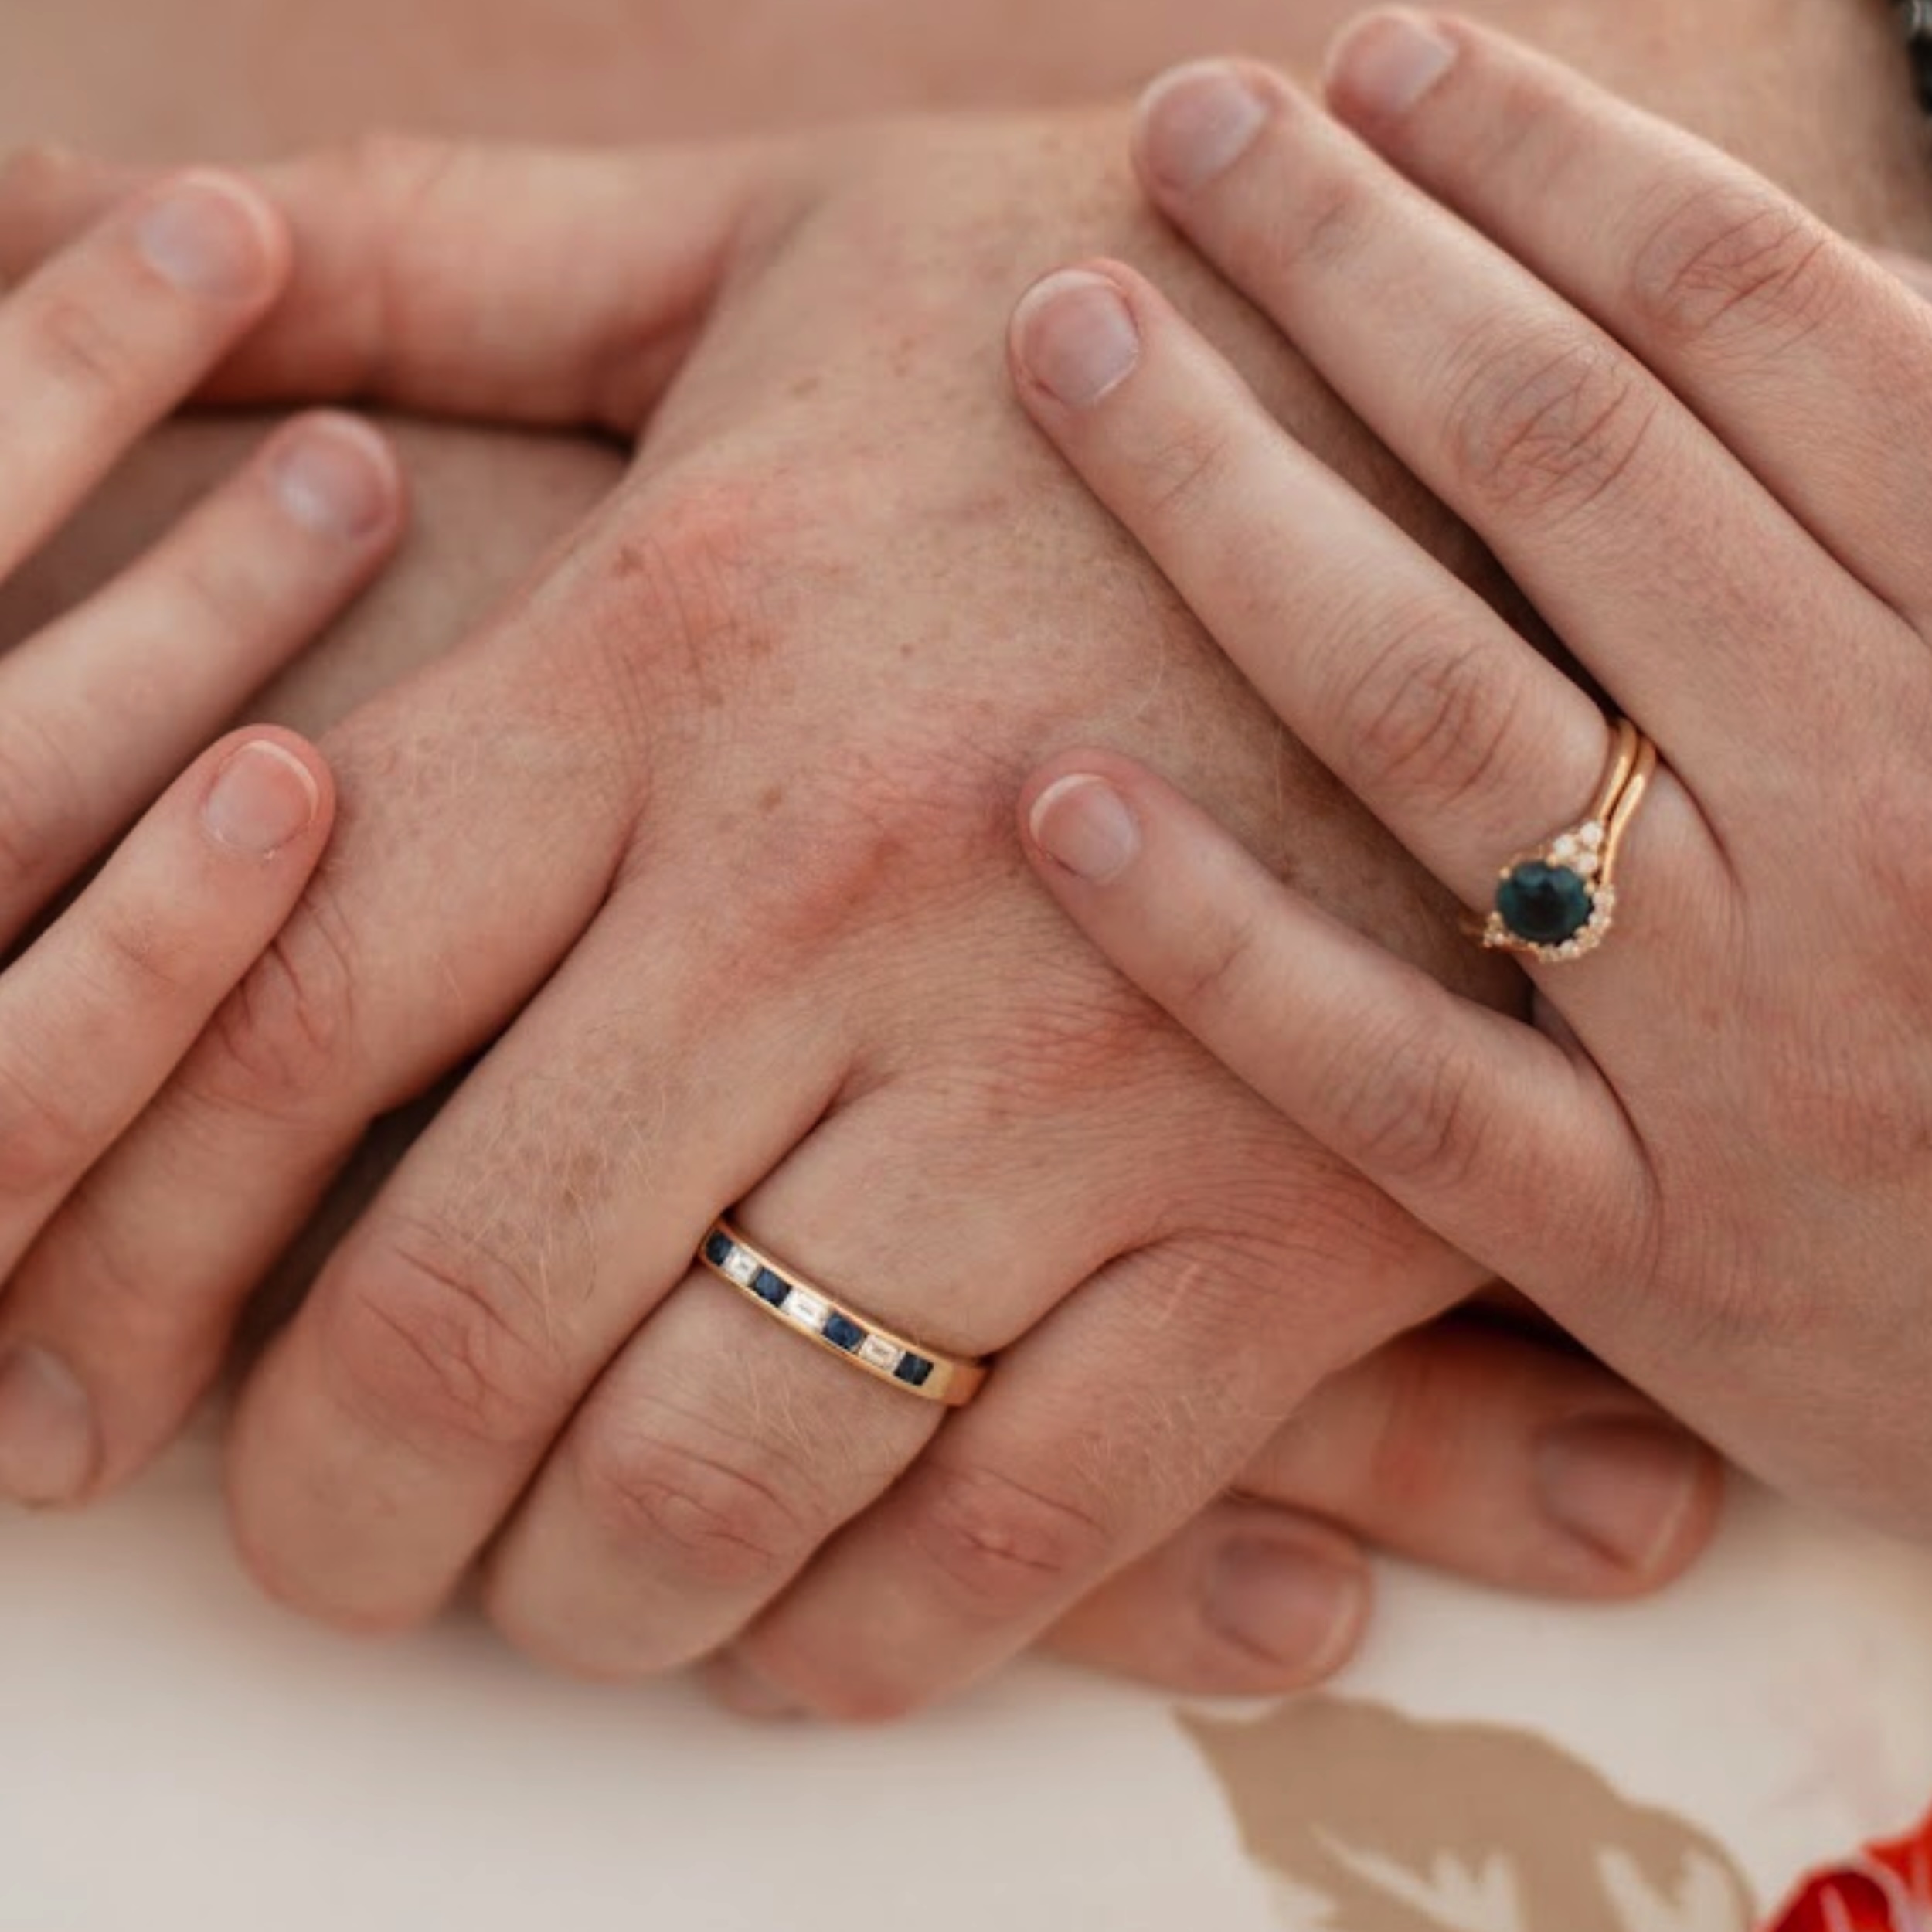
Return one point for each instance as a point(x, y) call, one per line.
point(819, 1316)
point(1557, 903)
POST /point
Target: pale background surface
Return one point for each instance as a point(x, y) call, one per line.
point(179, 1757)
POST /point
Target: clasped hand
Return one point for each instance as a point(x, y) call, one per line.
point(705, 845)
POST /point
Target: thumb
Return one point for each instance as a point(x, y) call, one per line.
point(548, 286)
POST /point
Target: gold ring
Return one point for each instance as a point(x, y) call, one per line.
point(1557, 903)
point(808, 1310)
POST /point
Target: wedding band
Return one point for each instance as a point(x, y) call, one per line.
point(810, 1311)
point(1557, 903)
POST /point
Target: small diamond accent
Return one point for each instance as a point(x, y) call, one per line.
point(879, 1354)
point(1564, 851)
point(741, 1268)
point(1588, 865)
point(807, 1310)
point(1591, 837)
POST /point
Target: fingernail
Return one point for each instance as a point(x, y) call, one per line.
point(1622, 1486)
point(1386, 65)
point(1087, 826)
point(208, 237)
point(1196, 122)
point(1076, 337)
point(1298, 1610)
point(261, 798)
point(49, 1448)
point(739, 1688)
point(334, 476)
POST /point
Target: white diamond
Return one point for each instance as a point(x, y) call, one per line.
point(879, 1354)
point(1588, 865)
point(1591, 837)
point(1564, 850)
point(741, 1267)
point(807, 1310)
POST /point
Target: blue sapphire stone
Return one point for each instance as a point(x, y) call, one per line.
point(767, 1287)
point(915, 1371)
point(843, 1334)
point(717, 1249)
point(1544, 904)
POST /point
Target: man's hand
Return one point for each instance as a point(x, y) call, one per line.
point(715, 819)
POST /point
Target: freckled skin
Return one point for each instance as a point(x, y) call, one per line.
point(866, 575)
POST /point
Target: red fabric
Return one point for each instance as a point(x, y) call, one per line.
point(1889, 1889)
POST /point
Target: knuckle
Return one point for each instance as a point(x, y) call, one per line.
point(393, 176)
point(436, 1341)
point(704, 574)
point(78, 347)
point(43, 816)
point(1404, 1108)
point(697, 1513)
point(44, 1141)
point(1332, 212)
point(1422, 1415)
point(1181, 479)
point(1218, 971)
point(285, 1036)
point(220, 599)
point(1428, 717)
point(1733, 260)
point(1546, 428)
point(1004, 1548)
point(148, 963)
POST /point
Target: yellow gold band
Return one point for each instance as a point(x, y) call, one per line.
point(1557, 903)
point(808, 1310)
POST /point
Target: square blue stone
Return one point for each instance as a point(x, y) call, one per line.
point(915, 1371)
point(843, 1334)
point(716, 1249)
point(768, 1288)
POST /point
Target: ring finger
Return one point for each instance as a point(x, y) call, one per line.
point(721, 1449)
point(1466, 742)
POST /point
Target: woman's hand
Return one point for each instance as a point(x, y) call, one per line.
point(100, 710)
point(1697, 427)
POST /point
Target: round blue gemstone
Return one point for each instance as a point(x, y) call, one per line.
point(1543, 904)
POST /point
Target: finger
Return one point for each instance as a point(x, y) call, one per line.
point(112, 334)
point(96, 1014)
point(101, 709)
point(1450, 727)
point(1460, 1446)
point(721, 1450)
point(442, 909)
point(556, 1201)
point(1247, 1600)
point(1692, 595)
point(1498, 1456)
point(429, 274)
point(1461, 1113)
point(1092, 1445)
point(1809, 363)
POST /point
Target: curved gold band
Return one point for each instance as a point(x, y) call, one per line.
point(1557, 903)
point(808, 1310)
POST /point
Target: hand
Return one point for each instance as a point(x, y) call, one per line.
point(741, 759)
point(1707, 1153)
point(102, 707)
point(1462, 1444)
